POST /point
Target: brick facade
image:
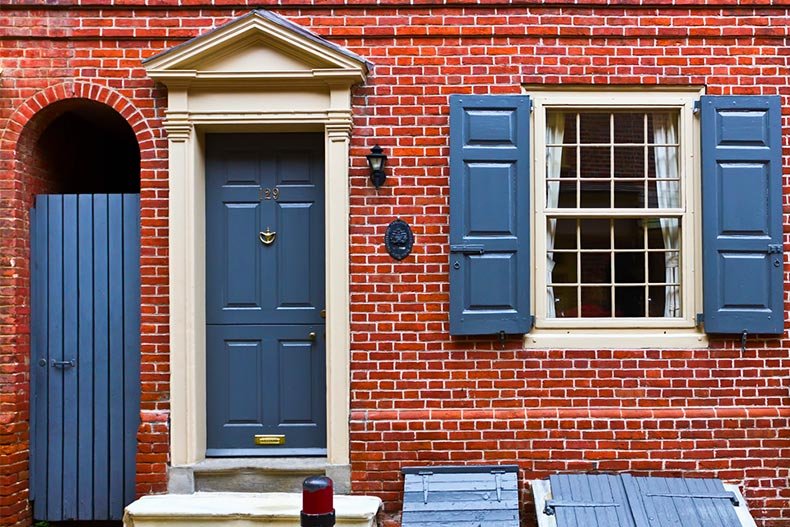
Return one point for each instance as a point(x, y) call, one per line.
point(419, 396)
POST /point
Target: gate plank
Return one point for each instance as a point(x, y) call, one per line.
point(38, 293)
point(101, 461)
point(85, 371)
point(115, 323)
point(69, 375)
point(55, 345)
point(131, 333)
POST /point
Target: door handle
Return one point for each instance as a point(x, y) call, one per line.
point(63, 363)
point(267, 237)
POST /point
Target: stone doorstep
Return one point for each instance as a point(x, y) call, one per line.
point(242, 509)
point(254, 475)
point(279, 464)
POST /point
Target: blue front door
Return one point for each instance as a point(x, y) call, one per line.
point(265, 339)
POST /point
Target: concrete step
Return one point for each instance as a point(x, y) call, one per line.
point(255, 474)
point(245, 509)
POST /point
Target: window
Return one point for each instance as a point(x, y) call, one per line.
point(579, 213)
point(614, 200)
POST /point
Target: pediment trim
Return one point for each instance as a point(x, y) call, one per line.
point(319, 60)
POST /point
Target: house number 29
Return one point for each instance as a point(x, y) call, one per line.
point(268, 193)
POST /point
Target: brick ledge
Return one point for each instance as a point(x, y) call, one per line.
point(726, 412)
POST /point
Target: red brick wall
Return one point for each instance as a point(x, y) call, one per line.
point(419, 396)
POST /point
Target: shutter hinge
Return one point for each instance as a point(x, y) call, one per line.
point(700, 318)
point(697, 106)
point(531, 106)
point(775, 248)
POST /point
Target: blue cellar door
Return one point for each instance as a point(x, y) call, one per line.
point(265, 338)
point(85, 355)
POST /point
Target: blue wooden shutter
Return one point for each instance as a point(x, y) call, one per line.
point(742, 214)
point(489, 215)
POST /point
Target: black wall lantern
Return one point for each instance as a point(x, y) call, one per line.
point(376, 161)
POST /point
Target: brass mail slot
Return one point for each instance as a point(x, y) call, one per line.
point(263, 440)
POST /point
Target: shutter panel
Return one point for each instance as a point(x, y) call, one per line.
point(742, 214)
point(489, 215)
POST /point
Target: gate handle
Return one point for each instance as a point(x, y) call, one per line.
point(63, 363)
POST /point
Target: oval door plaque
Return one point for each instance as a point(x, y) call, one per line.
point(399, 239)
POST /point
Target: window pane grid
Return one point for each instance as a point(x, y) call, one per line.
point(602, 166)
point(615, 290)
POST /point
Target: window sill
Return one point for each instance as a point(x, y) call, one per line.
point(615, 339)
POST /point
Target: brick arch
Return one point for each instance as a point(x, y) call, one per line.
point(28, 111)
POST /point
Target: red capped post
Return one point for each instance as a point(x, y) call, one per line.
point(318, 508)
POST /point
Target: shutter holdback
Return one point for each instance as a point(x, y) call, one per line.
point(743, 341)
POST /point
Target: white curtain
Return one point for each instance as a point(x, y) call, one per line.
point(555, 131)
point(668, 193)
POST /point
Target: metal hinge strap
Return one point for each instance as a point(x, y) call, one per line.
point(725, 496)
point(424, 476)
point(551, 505)
point(775, 248)
point(498, 483)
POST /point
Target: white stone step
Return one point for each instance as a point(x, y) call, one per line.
point(241, 509)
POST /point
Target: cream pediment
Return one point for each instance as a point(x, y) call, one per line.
point(258, 46)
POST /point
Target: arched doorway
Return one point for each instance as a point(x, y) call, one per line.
point(81, 162)
point(80, 146)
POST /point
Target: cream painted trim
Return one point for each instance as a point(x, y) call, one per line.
point(179, 63)
point(188, 287)
point(607, 339)
point(648, 333)
point(317, 99)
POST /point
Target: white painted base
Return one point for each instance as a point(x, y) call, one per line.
point(237, 509)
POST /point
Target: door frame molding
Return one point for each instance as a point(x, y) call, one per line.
point(246, 99)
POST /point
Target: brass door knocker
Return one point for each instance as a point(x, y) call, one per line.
point(267, 237)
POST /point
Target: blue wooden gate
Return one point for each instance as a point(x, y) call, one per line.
point(85, 355)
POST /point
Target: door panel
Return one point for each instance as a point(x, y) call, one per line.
point(248, 282)
point(243, 289)
point(265, 379)
point(295, 284)
point(266, 375)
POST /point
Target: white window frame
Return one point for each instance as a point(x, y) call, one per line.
point(630, 332)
